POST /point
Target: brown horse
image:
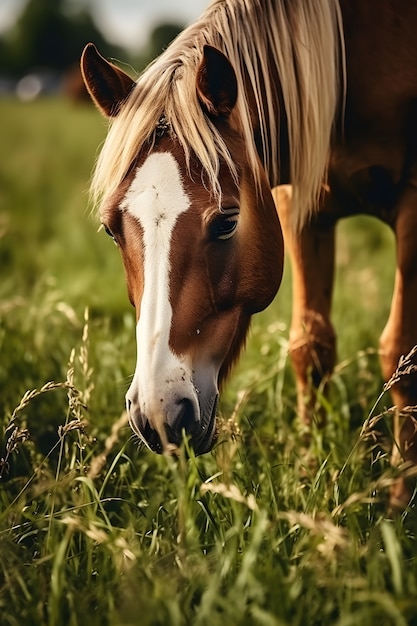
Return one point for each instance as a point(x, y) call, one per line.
point(255, 94)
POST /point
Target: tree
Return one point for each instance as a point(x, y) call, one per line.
point(46, 36)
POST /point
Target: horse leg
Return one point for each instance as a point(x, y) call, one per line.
point(312, 337)
point(399, 337)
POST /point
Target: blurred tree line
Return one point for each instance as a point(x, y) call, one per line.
point(50, 36)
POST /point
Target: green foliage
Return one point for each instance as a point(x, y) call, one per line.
point(265, 530)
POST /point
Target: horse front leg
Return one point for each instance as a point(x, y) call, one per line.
point(398, 339)
point(312, 337)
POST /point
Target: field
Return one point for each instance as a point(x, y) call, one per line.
point(96, 530)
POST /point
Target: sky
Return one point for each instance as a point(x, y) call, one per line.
point(124, 22)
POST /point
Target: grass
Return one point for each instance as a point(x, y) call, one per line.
point(94, 529)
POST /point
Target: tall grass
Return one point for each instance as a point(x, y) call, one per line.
point(95, 529)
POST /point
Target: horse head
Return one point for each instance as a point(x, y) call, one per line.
point(199, 258)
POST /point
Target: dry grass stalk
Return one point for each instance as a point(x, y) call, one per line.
point(98, 461)
point(331, 536)
point(77, 402)
point(405, 367)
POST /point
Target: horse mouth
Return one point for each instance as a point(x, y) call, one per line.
point(202, 434)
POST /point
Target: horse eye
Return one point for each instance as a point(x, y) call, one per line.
point(224, 226)
point(109, 233)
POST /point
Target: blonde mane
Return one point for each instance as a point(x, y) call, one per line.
point(300, 41)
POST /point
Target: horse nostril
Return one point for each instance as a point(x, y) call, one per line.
point(182, 417)
point(188, 417)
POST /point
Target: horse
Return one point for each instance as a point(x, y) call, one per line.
point(321, 96)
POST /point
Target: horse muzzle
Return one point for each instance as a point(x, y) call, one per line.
point(163, 425)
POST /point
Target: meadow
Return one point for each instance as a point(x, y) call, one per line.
point(95, 529)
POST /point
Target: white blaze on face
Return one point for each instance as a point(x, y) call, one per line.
point(156, 198)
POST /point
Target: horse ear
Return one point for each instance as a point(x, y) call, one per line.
point(216, 83)
point(107, 85)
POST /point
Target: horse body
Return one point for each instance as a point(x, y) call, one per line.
point(371, 155)
point(252, 95)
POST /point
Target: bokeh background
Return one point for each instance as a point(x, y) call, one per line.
point(41, 40)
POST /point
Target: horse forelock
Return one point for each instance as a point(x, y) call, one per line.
point(299, 41)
